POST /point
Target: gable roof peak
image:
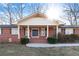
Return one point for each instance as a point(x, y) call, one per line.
point(41, 15)
point(34, 15)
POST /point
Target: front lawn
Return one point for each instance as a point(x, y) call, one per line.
point(22, 50)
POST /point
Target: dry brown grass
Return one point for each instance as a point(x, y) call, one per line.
point(22, 50)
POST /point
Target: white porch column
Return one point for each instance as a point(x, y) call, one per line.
point(28, 30)
point(18, 32)
point(47, 31)
point(56, 31)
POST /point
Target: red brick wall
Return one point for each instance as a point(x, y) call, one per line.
point(6, 34)
point(52, 31)
point(76, 31)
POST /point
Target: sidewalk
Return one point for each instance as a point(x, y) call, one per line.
point(51, 45)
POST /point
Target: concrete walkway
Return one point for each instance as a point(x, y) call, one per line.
point(50, 45)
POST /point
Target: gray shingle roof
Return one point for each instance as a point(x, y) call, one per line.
point(62, 26)
point(69, 26)
point(8, 26)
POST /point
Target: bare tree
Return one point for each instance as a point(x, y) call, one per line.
point(19, 10)
point(72, 12)
point(67, 16)
point(13, 12)
point(7, 12)
point(38, 7)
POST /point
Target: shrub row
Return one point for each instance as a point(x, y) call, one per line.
point(72, 38)
point(50, 40)
point(61, 39)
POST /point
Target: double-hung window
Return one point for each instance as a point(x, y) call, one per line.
point(35, 32)
point(14, 31)
point(69, 31)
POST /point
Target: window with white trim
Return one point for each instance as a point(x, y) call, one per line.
point(42, 31)
point(35, 32)
point(0, 31)
point(14, 31)
point(69, 31)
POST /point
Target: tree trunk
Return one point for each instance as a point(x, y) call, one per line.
point(75, 20)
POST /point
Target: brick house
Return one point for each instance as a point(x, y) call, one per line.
point(36, 27)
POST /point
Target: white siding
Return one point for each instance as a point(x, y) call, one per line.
point(69, 31)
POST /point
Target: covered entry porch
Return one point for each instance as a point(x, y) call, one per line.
point(38, 29)
point(37, 34)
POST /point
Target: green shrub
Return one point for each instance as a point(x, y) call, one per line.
point(61, 37)
point(72, 38)
point(24, 40)
point(52, 40)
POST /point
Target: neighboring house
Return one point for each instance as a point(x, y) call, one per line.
point(37, 28)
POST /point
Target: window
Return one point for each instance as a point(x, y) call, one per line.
point(59, 30)
point(68, 31)
point(35, 32)
point(42, 31)
point(0, 31)
point(14, 31)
